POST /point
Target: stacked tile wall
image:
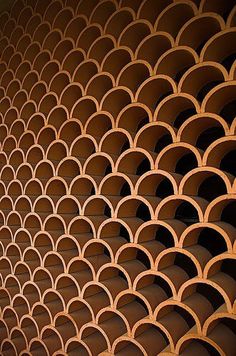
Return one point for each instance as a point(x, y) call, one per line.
point(117, 178)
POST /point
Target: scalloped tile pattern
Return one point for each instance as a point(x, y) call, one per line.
point(117, 178)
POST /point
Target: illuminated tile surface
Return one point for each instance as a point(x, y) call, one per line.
point(117, 178)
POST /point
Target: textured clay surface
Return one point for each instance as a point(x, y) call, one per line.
point(117, 178)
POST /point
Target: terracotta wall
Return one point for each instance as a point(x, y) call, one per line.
point(117, 178)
